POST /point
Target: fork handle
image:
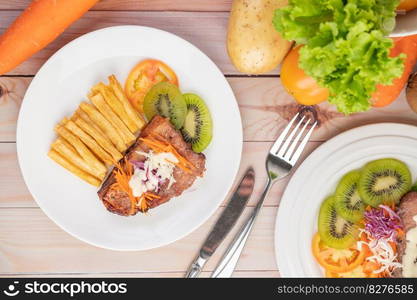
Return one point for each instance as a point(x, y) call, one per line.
point(230, 258)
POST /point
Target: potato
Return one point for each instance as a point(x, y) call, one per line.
point(253, 44)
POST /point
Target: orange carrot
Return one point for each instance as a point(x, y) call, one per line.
point(123, 173)
point(158, 146)
point(39, 24)
point(385, 94)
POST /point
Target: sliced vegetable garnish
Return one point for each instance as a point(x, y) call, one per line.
point(145, 75)
point(382, 231)
point(337, 260)
point(123, 172)
point(159, 146)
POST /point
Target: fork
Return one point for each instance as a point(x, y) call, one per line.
point(281, 158)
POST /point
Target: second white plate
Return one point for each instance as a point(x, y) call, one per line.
point(317, 178)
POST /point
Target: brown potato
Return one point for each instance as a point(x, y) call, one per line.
point(55, 156)
point(253, 44)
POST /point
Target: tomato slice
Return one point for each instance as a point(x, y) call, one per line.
point(145, 75)
point(357, 272)
point(337, 260)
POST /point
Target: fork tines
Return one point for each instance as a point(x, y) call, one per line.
point(286, 146)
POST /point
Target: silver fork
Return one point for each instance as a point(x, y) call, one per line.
point(281, 158)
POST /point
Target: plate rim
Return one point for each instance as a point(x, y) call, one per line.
point(74, 43)
point(355, 134)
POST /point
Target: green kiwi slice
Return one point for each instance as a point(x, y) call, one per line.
point(335, 231)
point(348, 203)
point(198, 126)
point(384, 181)
point(165, 99)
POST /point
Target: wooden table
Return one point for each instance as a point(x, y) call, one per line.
point(32, 245)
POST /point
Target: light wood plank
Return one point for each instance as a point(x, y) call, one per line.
point(206, 30)
point(264, 105)
point(31, 243)
point(266, 109)
point(204, 274)
point(13, 190)
point(12, 90)
point(15, 194)
point(144, 5)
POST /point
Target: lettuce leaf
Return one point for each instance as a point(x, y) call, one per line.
point(345, 46)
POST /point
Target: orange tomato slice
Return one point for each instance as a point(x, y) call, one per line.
point(357, 272)
point(145, 75)
point(337, 260)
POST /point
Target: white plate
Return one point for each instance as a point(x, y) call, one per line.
point(317, 178)
point(59, 87)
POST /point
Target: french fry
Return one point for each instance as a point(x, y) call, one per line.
point(80, 147)
point(104, 125)
point(67, 151)
point(131, 112)
point(89, 141)
point(108, 113)
point(79, 113)
point(55, 156)
point(115, 105)
point(98, 137)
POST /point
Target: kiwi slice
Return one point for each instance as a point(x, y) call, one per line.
point(384, 181)
point(348, 203)
point(165, 99)
point(198, 126)
point(335, 231)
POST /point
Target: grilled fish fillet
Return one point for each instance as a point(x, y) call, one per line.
point(118, 202)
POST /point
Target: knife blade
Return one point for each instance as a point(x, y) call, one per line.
point(225, 222)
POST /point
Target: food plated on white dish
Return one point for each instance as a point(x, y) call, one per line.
point(358, 214)
point(138, 145)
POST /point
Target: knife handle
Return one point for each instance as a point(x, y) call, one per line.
point(229, 260)
point(196, 267)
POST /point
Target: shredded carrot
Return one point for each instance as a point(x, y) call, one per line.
point(400, 232)
point(159, 146)
point(144, 200)
point(122, 174)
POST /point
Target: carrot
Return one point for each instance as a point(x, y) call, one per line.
point(122, 174)
point(385, 94)
point(158, 146)
point(39, 24)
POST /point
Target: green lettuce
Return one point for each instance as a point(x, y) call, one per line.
point(345, 46)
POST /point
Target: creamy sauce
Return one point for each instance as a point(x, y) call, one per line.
point(157, 169)
point(409, 260)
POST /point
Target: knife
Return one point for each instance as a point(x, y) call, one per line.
point(225, 222)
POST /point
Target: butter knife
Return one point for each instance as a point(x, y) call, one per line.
point(225, 222)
